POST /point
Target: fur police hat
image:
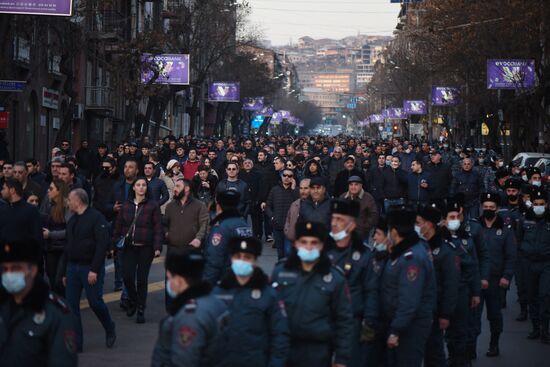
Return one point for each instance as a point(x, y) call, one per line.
point(186, 263)
point(382, 225)
point(345, 207)
point(311, 229)
point(228, 198)
point(430, 212)
point(454, 204)
point(538, 193)
point(20, 251)
point(489, 196)
point(401, 215)
point(250, 245)
point(512, 183)
point(502, 172)
point(532, 171)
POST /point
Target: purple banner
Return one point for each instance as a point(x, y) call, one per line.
point(284, 114)
point(510, 74)
point(415, 107)
point(276, 118)
point(376, 118)
point(253, 103)
point(445, 96)
point(266, 111)
point(396, 113)
point(171, 68)
point(224, 92)
point(38, 7)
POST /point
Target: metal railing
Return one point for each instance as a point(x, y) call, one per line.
point(108, 23)
point(99, 97)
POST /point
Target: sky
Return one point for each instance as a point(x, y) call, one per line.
point(285, 20)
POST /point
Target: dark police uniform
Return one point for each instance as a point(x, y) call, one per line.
point(408, 293)
point(447, 275)
point(362, 272)
point(319, 311)
point(535, 247)
point(460, 332)
point(500, 240)
point(41, 330)
point(225, 226)
point(257, 329)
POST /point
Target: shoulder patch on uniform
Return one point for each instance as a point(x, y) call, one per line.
point(412, 273)
point(186, 335)
point(216, 239)
point(59, 302)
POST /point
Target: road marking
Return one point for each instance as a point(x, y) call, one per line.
point(115, 296)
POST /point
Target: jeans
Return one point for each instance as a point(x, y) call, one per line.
point(137, 259)
point(77, 278)
point(279, 238)
point(391, 202)
point(119, 274)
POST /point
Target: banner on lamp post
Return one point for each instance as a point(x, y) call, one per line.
point(224, 92)
point(37, 7)
point(172, 69)
point(414, 107)
point(396, 113)
point(376, 118)
point(445, 96)
point(253, 103)
point(510, 74)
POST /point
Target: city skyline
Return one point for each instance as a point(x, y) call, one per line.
point(284, 21)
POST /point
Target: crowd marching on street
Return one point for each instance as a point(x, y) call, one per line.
point(388, 251)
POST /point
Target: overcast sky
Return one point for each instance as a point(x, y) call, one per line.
point(284, 20)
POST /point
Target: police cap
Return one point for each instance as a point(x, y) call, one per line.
point(401, 215)
point(311, 229)
point(345, 207)
point(20, 251)
point(430, 212)
point(512, 183)
point(186, 263)
point(532, 171)
point(228, 198)
point(538, 193)
point(250, 245)
point(489, 196)
point(382, 224)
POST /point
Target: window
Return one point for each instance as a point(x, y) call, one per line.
point(21, 49)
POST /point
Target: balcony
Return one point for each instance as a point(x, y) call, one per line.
point(99, 98)
point(107, 25)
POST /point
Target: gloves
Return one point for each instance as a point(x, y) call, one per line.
point(368, 333)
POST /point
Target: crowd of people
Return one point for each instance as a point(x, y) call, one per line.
point(388, 250)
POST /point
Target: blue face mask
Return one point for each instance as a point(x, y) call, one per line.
point(170, 291)
point(241, 268)
point(13, 282)
point(380, 247)
point(308, 256)
point(419, 232)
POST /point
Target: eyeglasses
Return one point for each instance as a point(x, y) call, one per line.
point(290, 176)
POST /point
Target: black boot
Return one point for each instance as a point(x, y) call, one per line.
point(131, 310)
point(140, 319)
point(493, 346)
point(535, 334)
point(544, 335)
point(472, 352)
point(523, 313)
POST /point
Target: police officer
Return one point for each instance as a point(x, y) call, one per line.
point(36, 326)
point(501, 242)
point(257, 331)
point(447, 272)
point(192, 334)
point(535, 247)
point(317, 300)
point(227, 224)
point(459, 332)
point(363, 275)
point(408, 291)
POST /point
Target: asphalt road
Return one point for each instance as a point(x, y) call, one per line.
point(135, 342)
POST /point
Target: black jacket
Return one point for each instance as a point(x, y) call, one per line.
point(87, 239)
point(278, 203)
point(376, 185)
point(20, 221)
point(103, 190)
point(441, 179)
point(395, 183)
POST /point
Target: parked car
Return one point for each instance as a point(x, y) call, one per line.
point(527, 159)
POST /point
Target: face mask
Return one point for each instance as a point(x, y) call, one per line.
point(308, 256)
point(339, 236)
point(14, 282)
point(170, 291)
point(500, 164)
point(489, 214)
point(388, 163)
point(528, 203)
point(512, 198)
point(525, 178)
point(379, 247)
point(539, 209)
point(537, 183)
point(453, 225)
point(241, 268)
point(481, 161)
point(419, 232)
point(445, 146)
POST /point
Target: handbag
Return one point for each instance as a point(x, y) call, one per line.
point(121, 243)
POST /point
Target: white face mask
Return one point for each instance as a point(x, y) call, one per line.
point(13, 282)
point(536, 183)
point(380, 247)
point(539, 210)
point(339, 236)
point(453, 225)
point(418, 231)
point(528, 203)
point(525, 178)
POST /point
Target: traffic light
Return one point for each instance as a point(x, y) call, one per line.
point(395, 127)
